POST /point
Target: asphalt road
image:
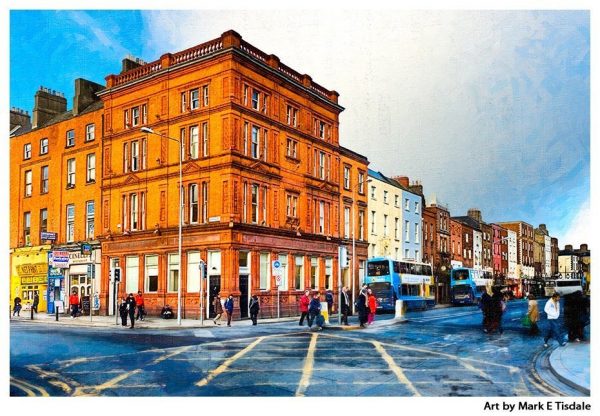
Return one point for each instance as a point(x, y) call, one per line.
point(440, 352)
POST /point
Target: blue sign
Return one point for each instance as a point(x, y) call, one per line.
point(276, 264)
point(45, 235)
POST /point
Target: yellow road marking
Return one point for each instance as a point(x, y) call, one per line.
point(223, 367)
point(18, 385)
point(114, 382)
point(309, 363)
point(29, 387)
point(395, 369)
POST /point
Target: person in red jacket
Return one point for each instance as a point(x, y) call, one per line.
point(304, 301)
point(74, 304)
point(139, 303)
point(372, 306)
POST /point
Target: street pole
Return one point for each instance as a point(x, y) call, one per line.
point(353, 259)
point(180, 224)
point(339, 284)
point(201, 290)
point(277, 301)
point(115, 292)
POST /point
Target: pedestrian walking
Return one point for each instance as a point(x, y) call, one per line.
point(139, 303)
point(229, 309)
point(74, 304)
point(345, 306)
point(495, 311)
point(329, 300)
point(584, 315)
point(485, 306)
point(362, 304)
point(218, 309)
point(123, 310)
point(574, 315)
point(314, 310)
point(130, 302)
point(36, 302)
point(254, 308)
point(552, 309)
point(17, 306)
point(533, 314)
point(372, 306)
point(304, 302)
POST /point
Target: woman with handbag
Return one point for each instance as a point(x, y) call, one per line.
point(533, 314)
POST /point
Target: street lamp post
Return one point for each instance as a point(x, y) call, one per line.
point(150, 131)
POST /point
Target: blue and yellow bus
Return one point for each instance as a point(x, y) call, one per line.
point(391, 280)
point(467, 285)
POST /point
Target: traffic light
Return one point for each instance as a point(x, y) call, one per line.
point(348, 260)
point(117, 274)
point(203, 269)
point(345, 258)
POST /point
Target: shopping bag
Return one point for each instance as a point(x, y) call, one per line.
point(525, 321)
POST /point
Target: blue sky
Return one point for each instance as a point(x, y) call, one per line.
point(488, 109)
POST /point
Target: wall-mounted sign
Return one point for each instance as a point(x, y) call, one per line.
point(59, 259)
point(46, 235)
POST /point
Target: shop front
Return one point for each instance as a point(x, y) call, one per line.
point(29, 267)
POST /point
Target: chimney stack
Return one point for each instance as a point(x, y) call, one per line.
point(47, 104)
point(475, 214)
point(19, 118)
point(583, 247)
point(569, 247)
point(85, 94)
point(402, 180)
point(131, 62)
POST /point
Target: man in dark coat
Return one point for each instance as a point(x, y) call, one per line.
point(363, 308)
point(123, 311)
point(130, 302)
point(229, 309)
point(345, 305)
point(36, 302)
point(254, 308)
point(485, 304)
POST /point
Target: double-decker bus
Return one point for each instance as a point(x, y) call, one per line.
point(562, 286)
point(467, 285)
point(392, 280)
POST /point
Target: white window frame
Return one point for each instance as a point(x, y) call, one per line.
point(135, 156)
point(173, 268)
point(43, 146)
point(71, 166)
point(70, 138)
point(346, 177)
point(132, 272)
point(194, 99)
point(205, 139)
point(194, 209)
point(70, 230)
point(89, 220)
point(346, 222)
point(150, 266)
point(193, 272)
point(255, 142)
point(90, 132)
point(254, 203)
point(134, 221)
point(264, 271)
point(299, 272)
point(91, 168)
point(407, 231)
point(28, 183)
point(27, 151)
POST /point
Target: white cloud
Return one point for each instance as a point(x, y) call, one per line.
point(578, 231)
point(486, 108)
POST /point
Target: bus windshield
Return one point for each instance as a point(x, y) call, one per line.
point(380, 287)
point(461, 274)
point(378, 268)
point(462, 289)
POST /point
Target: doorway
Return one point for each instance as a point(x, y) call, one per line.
point(244, 296)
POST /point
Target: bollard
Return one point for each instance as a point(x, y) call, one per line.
point(56, 310)
point(399, 309)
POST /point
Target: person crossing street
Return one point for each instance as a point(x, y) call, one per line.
point(552, 310)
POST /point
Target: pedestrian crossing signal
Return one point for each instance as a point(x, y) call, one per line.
point(117, 274)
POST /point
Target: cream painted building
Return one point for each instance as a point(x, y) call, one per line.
point(511, 238)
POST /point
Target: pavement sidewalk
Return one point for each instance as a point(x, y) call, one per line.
point(168, 324)
point(571, 363)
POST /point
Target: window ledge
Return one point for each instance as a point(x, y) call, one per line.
point(70, 187)
point(90, 182)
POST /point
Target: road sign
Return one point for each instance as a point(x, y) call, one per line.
point(278, 280)
point(277, 269)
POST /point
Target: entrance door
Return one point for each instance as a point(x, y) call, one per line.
point(214, 288)
point(244, 296)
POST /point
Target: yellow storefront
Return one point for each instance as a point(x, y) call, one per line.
point(29, 274)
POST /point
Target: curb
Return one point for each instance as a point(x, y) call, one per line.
point(564, 379)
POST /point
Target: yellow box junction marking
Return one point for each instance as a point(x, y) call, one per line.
point(309, 363)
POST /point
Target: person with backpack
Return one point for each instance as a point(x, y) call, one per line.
point(229, 309)
point(304, 301)
point(254, 308)
point(314, 311)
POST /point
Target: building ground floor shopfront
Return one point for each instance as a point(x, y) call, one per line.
point(239, 261)
point(29, 275)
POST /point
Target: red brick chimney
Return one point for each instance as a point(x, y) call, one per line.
point(402, 180)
